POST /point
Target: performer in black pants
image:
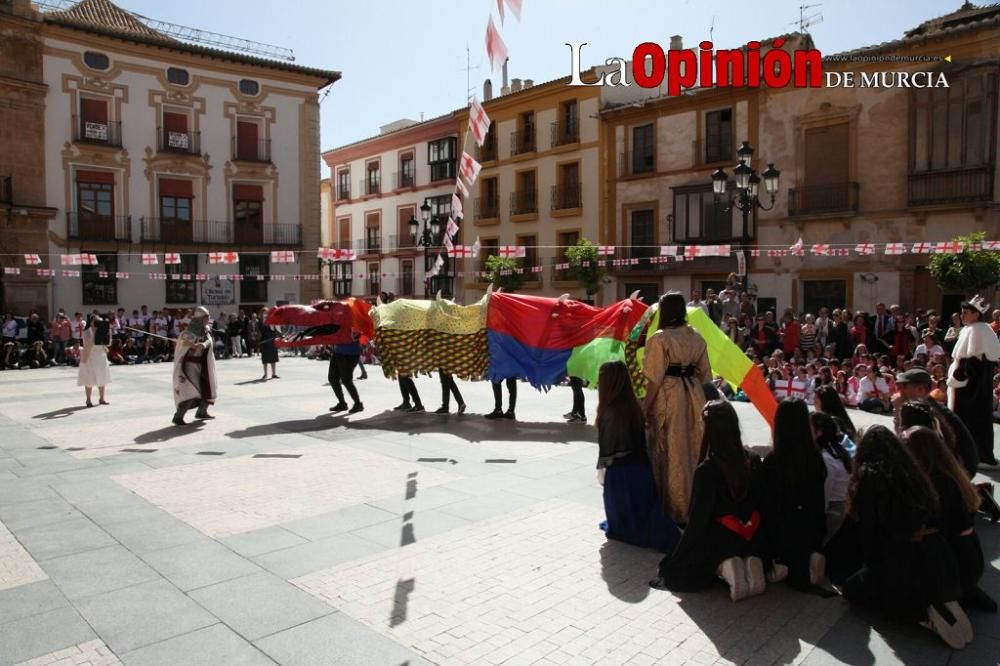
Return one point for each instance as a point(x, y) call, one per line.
point(409, 392)
point(342, 364)
point(448, 386)
point(498, 412)
point(579, 412)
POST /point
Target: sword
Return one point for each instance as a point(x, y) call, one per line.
point(139, 330)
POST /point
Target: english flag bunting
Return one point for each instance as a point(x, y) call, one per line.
point(796, 249)
point(45, 272)
point(495, 48)
point(150, 259)
point(451, 228)
point(456, 206)
point(469, 168)
point(460, 186)
point(605, 250)
point(895, 248)
point(283, 257)
point(668, 250)
point(223, 257)
point(479, 122)
point(987, 245)
point(32, 259)
point(821, 249)
point(921, 248)
point(121, 275)
point(865, 248)
point(461, 251)
point(88, 259)
point(172, 258)
point(448, 245)
point(476, 247)
point(11, 270)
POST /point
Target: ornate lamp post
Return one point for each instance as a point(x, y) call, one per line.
point(428, 238)
point(746, 198)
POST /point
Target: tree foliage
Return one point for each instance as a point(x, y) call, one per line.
point(970, 270)
point(501, 272)
point(584, 266)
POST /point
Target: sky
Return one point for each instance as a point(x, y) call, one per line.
point(407, 58)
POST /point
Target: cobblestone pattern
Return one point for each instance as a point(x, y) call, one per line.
point(91, 653)
point(16, 566)
point(233, 496)
point(543, 586)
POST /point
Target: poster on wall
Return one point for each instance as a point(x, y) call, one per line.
point(216, 291)
point(741, 263)
point(95, 131)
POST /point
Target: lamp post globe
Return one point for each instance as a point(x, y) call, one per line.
point(425, 211)
point(771, 176)
point(719, 178)
point(742, 173)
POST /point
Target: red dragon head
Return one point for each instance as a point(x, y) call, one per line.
point(325, 323)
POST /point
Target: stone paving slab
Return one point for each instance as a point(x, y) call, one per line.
point(16, 566)
point(217, 645)
point(51, 631)
point(91, 653)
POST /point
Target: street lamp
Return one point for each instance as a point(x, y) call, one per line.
point(746, 199)
point(430, 237)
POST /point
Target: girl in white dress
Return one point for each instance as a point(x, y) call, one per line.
point(94, 368)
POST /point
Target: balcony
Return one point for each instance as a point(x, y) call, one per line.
point(629, 258)
point(487, 208)
point(371, 185)
point(564, 133)
point(89, 226)
point(524, 202)
point(442, 170)
point(404, 243)
point(832, 198)
point(169, 141)
point(283, 234)
point(567, 196)
point(559, 274)
point(343, 192)
point(522, 141)
point(636, 164)
point(488, 151)
point(7, 190)
point(252, 151)
point(371, 245)
point(954, 186)
point(171, 231)
point(402, 179)
point(102, 133)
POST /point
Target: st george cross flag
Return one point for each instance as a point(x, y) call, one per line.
point(476, 247)
point(11, 270)
point(895, 248)
point(32, 259)
point(223, 257)
point(949, 247)
point(448, 245)
point(495, 48)
point(992, 246)
point(469, 168)
point(460, 186)
point(605, 250)
point(45, 272)
point(69, 259)
point(102, 274)
point(172, 258)
point(121, 275)
point(150, 259)
point(821, 249)
point(88, 259)
point(797, 249)
point(456, 206)
point(865, 248)
point(282, 257)
point(921, 248)
point(451, 228)
point(479, 122)
point(461, 251)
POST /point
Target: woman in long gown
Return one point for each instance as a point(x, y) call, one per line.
point(631, 503)
point(268, 350)
point(94, 369)
point(676, 366)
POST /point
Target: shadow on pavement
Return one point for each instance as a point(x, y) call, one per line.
point(627, 569)
point(170, 432)
point(321, 422)
point(474, 428)
point(60, 413)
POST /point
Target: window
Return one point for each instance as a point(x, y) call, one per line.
point(373, 180)
point(489, 200)
point(953, 127)
point(488, 151)
point(643, 158)
point(176, 137)
point(341, 283)
point(530, 244)
point(642, 233)
point(99, 290)
point(440, 207)
point(373, 233)
point(567, 130)
point(248, 144)
point(344, 235)
point(175, 211)
point(374, 280)
point(407, 171)
point(248, 214)
point(404, 239)
point(523, 140)
point(249, 87)
point(488, 247)
point(406, 283)
point(96, 60)
point(94, 125)
point(525, 199)
point(818, 294)
point(699, 218)
point(827, 173)
point(95, 208)
point(566, 194)
point(441, 158)
point(253, 290)
point(343, 184)
point(177, 76)
point(183, 288)
point(94, 199)
point(565, 240)
point(719, 136)
point(649, 292)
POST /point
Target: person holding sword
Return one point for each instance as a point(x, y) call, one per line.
point(194, 369)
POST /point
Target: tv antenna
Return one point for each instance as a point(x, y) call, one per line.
point(468, 69)
point(711, 30)
point(192, 35)
point(806, 18)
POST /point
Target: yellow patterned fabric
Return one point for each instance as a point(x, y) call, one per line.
point(420, 337)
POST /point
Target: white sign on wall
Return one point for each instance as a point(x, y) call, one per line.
point(178, 140)
point(215, 291)
point(96, 131)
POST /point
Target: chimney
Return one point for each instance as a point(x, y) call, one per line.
point(676, 43)
point(487, 90)
point(528, 83)
point(515, 85)
point(505, 84)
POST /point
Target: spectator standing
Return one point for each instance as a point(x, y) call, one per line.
point(60, 337)
point(809, 339)
point(764, 337)
point(94, 369)
point(76, 329)
point(860, 334)
point(252, 333)
point(268, 346)
point(730, 307)
point(951, 336)
point(235, 331)
point(840, 334)
point(747, 308)
point(713, 307)
point(791, 333)
point(823, 325)
point(696, 301)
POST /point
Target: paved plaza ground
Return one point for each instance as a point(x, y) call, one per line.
point(279, 533)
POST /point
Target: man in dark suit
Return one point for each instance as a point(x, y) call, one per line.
point(881, 324)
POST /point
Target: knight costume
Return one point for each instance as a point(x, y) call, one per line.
point(194, 369)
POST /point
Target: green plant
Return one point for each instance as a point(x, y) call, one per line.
point(584, 266)
point(969, 270)
point(501, 272)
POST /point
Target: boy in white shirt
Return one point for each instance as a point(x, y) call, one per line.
point(929, 346)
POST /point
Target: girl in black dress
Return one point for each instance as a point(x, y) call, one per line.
point(723, 532)
point(909, 571)
point(959, 502)
point(794, 506)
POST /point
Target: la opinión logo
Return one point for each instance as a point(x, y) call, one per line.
point(686, 68)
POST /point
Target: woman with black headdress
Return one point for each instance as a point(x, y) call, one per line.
point(675, 366)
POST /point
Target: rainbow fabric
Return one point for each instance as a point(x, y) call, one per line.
point(534, 337)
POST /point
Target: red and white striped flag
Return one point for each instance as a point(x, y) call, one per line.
point(495, 48)
point(150, 259)
point(479, 122)
point(948, 247)
point(605, 250)
point(32, 259)
point(172, 258)
point(223, 257)
point(469, 168)
point(121, 275)
point(277, 276)
point(865, 248)
point(282, 257)
point(797, 248)
point(895, 248)
point(451, 228)
point(456, 206)
point(45, 272)
point(820, 249)
point(11, 270)
point(921, 248)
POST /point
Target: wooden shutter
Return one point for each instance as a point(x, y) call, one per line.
point(175, 122)
point(345, 232)
point(404, 222)
point(181, 189)
point(100, 177)
point(826, 155)
point(93, 110)
point(248, 192)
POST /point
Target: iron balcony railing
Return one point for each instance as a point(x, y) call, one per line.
point(564, 133)
point(251, 151)
point(821, 199)
point(101, 132)
point(523, 202)
point(402, 243)
point(283, 234)
point(371, 185)
point(176, 231)
point(567, 196)
point(178, 142)
point(522, 141)
point(344, 192)
point(442, 170)
point(951, 186)
point(368, 245)
point(401, 179)
point(90, 226)
point(488, 151)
